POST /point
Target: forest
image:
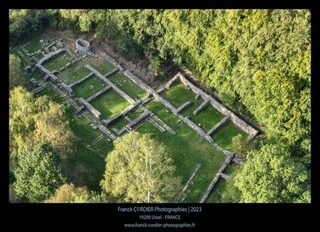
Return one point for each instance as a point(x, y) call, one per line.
point(258, 61)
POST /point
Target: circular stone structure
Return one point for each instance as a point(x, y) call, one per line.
point(83, 46)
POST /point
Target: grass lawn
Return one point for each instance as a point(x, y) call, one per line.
point(119, 123)
point(223, 136)
point(208, 117)
point(37, 75)
point(39, 56)
point(127, 85)
point(74, 72)
point(177, 94)
point(82, 129)
point(215, 195)
point(89, 87)
point(103, 146)
point(110, 104)
point(34, 45)
point(84, 167)
point(187, 149)
point(102, 65)
point(134, 114)
point(58, 61)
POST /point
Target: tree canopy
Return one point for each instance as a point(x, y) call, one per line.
point(140, 170)
point(38, 173)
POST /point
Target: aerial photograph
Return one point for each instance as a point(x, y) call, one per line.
point(159, 106)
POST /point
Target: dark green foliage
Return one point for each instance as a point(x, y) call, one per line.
point(38, 173)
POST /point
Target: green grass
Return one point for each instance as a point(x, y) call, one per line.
point(103, 146)
point(101, 65)
point(110, 104)
point(134, 114)
point(37, 75)
point(52, 95)
point(223, 136)
point(58, 61)
point(74, 72)
point(216, 194)
point(82, 129)
point(177, 94)
point(39, 56)
point(187, 149)
point(34, 45)
point(84, 167)
point(208, 117)
point(119, 123)
point(127, 85)
point(89, 87)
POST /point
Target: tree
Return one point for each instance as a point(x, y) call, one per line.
point(21, 119)
point(16, 76)
point(38, 173)
point(51, 126)
point(68, 193)
point(270, 176)
point(36, 119)
point(140, 170)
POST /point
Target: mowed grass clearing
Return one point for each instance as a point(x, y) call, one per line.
point(74, 72)
point(89, 87)
point(223, 136)
point(207, 117)
point(110, 104)
point(102, 65)
point(59, 61)
point(187, 149)
point(125, 84)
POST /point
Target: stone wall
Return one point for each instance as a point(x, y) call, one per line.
point(115, 88)
point(218, 125)
point(111, 72)
point(227, 161)
point(221, 108)
point(66, 88)
point(184, 106)
point(201, 107)
point(97, 94)
point(78, 82)
point(93, 110)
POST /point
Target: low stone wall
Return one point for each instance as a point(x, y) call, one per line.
point(184, 106)
point(167, 86)
point(66, 88)
point(165, 103)
point(78, 82)
point(115, 88)
point(137, 81)
point(218, 125)
point(93, 110)
point(97, 94)
point(50, 56)
point(221, 108)
point(111, 72)
point(138, 120)
point(110, 120)
point(201, 107)
point(227, 161)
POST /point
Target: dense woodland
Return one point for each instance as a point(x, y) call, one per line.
point(259, 62)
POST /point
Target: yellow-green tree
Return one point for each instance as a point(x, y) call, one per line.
point(140, 170)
